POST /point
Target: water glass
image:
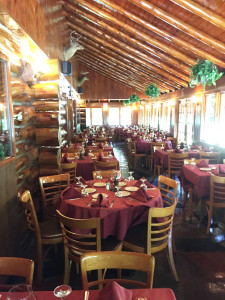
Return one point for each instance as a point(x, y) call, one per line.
point(62, 291)
point(21, 292)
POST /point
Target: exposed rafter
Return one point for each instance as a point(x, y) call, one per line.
point(202, 12)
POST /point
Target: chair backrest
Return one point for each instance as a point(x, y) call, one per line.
point(168, 189)
point(106, 165)
point(155, 145)
point(106, 173)
point(80, 235)
point(71, 154)
point(117, 260)
point(173, 141)
point(213, 157)
point(176, 161)
point(51, 188)
point(70, 168)
point(31, 215)
point(217, 191)
point(159, 232)
point(16, 266)
point(100, 139)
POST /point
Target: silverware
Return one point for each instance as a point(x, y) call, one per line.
point(112, 203)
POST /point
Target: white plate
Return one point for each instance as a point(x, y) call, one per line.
point(123, 194)
point(122, 183)
point(96, 195)
point(131, 188)
point(99, 184)
point(90, 190)
point(205, 169)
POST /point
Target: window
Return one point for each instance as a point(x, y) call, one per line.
point(114, 118)
point(5, 125)
point(181, 122)
point(208, 127)
point(88, 117)
point(97, 116)
point(190, 123)
point(186, 122)
point(125, 116)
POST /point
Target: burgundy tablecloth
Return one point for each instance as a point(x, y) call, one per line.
point(145, 146)
point(200, 180)
point(161, 157)
point(96, 149)
point(116, 220)
point(151, 294)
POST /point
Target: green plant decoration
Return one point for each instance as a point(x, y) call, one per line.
point(204, 72)
point(133, 98)
point(152, 91)
point(2, 151)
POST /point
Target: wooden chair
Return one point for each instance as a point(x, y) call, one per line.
point(213, 157)
point(100, 139)
point(51, 188)
point(154, 146)
point(106, 165)
point(168, 189)
point(135, 156)
point(217, 196)
point(106, 173)
point(46, 233)
point(175, 162)
point(70, 168)
point(173, 141)
point(154, 237)
point(117, 260)
point(196, 161)
point(75, 244)
point(79, 140)
point(16, 266)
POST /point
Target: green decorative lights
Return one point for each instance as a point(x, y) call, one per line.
point(152, 91)
point(204, 72)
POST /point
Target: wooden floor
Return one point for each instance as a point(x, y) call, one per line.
point(199, 259)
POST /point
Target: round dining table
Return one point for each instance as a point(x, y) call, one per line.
point(121, 213)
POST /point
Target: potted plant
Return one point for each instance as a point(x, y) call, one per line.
point(152, 91)
point(204, 72)
point(132, 99)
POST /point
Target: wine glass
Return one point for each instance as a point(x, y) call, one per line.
point(110, 154)
point(98, 176)
point(21, 291)
point(62, 291)
point(90, 152)
point(78, 182)
point(143, 185)
point(117, 187)
point(84, 192)
point(131, 177)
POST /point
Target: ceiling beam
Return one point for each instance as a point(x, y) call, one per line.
point(202, 12)
point(165, 47)
point(93, 17)
point(92, 35)
point(163, 33)
point(177, 23)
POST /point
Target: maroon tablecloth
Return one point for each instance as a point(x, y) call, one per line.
point(161, 157)
point(96, 149)
point(116, 220)
point(151, 294)
point(145, 146)
point(200, 180)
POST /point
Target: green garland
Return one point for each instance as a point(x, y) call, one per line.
point(204, 72)
point(133, 98)
point(152, 91)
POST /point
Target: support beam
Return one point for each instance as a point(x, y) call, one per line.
point(177, 23)
point(202, 12)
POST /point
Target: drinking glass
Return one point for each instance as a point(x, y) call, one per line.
point(90, 152)
point(110, 153)
point(130, 175)
point(21, 292)
point(98, 176)
point(143, 185)
point(78, 182)
point(84, 192)
point(117, 190)
point(62, 291)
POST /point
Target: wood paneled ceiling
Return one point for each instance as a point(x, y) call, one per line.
point(143, 42)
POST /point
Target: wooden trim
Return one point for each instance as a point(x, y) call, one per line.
point(177, 23)
point(202, 12)
point(155, 42)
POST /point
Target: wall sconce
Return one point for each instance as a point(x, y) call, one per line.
point(105, 106)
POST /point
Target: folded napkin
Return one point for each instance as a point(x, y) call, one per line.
point(140, 195)
point(64, 159)
point(176, 150)
point(222, 169)
point(114, 291)
point(167, 147)
point(74, 184)
point(148, 184)
point(71, 193)
point(100, 202)
point(203, 164)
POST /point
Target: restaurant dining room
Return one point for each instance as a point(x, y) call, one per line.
point(112, 149)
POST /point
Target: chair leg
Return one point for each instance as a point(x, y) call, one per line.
point(210, 213)
point(171, 259)
point(67, 267)
point(190, 203)
point(39, 267)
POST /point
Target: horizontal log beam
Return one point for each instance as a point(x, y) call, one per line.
point(202, 12)
point(121, 51)
point(71, 8)
point(177, 23)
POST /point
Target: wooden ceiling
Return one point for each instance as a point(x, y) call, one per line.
point(143, 42)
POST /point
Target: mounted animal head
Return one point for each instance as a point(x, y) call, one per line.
point(82, 78)
point(74, 46)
